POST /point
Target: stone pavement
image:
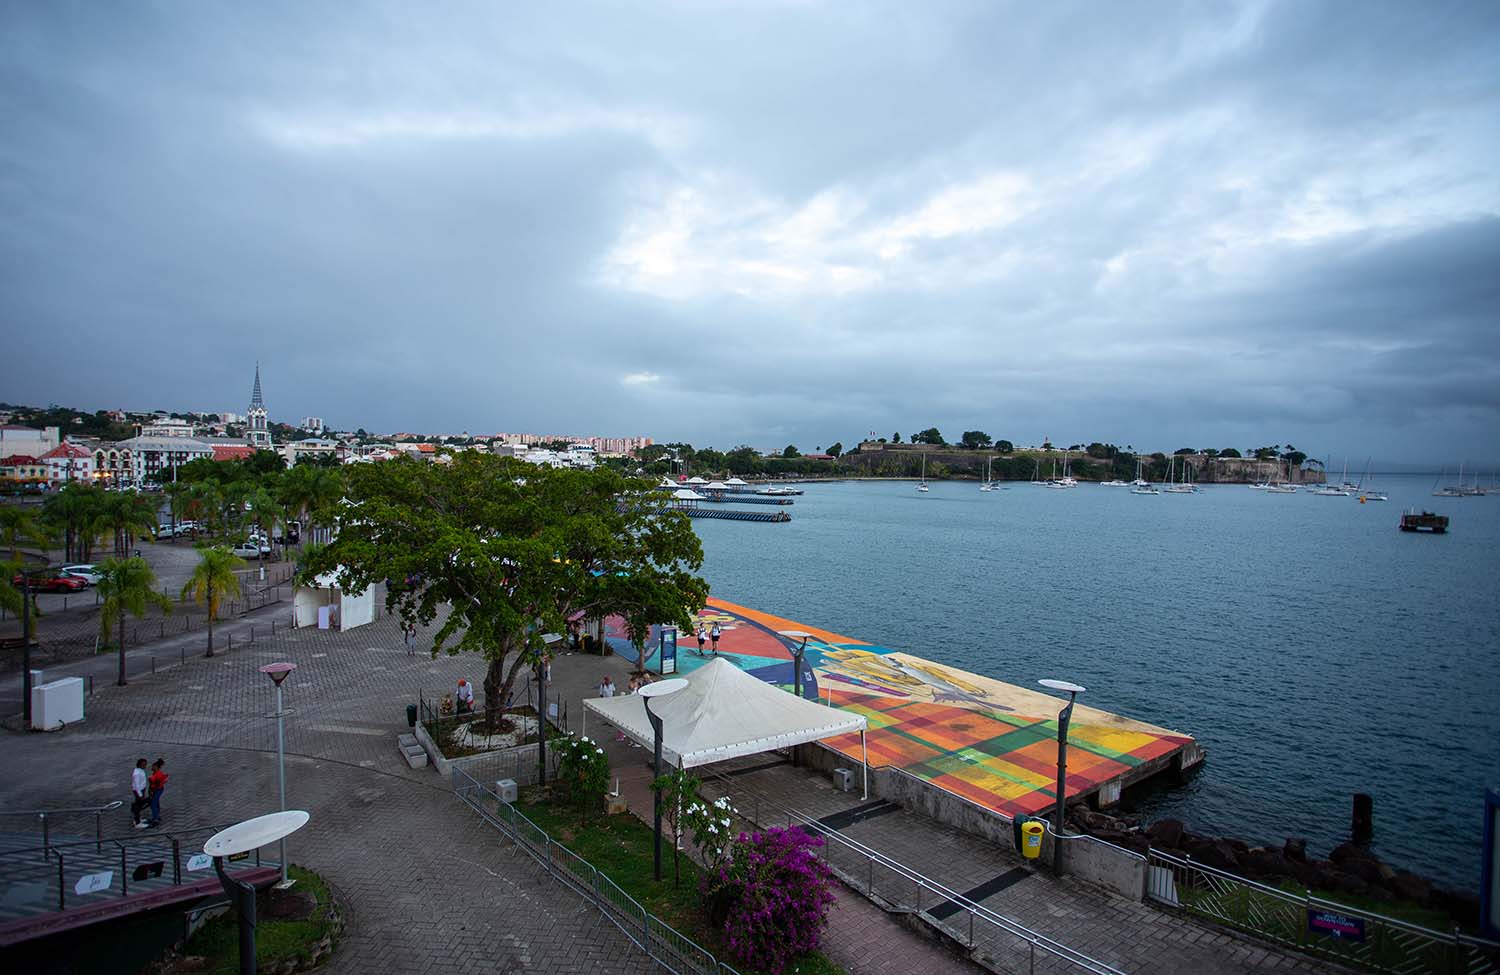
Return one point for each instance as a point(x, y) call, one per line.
point(429, 886)
point(427, 883)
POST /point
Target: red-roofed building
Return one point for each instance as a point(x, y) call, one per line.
point(229, 451)
point(68, 462)
point(23, 469)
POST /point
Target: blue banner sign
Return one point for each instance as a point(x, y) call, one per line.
point(668, 650)
point(1339, 926)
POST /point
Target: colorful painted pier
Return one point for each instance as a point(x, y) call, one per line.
point(734, 515)
point(991, 743)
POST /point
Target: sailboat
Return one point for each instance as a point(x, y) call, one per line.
point(1329, 491)
point(1181, 486)
point(1279, 486)
point(922, 484)
point(989, 484)
point(1140, 485)
point(1067, 478)
point(1036, 474)
point(1369, 493)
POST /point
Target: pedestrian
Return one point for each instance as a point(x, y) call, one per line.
point(140, 792)
point(606, 687)
point(702, 638)
point(714, 635)
point(411, 639)
point(465, 696)
point(157, 782)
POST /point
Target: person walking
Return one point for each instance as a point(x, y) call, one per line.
point(714, 635)
point(140, 792)
point(606, 687)
point(157, 782)
point(410, 632)
point(702, 638)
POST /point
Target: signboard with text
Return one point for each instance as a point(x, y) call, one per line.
point(668, 650)
point(1335, 925)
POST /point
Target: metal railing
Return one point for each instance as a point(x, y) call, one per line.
point(46, 823)
point(670, 948)
point(1327, 929)
point(982, 931)
point(51, 877)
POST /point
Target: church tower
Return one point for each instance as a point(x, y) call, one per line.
point(258, 432)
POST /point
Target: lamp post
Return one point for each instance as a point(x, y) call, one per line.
point(1063, 717)
point(798, 652)
point(658, 689)
point(26, 648)
point(277, 672)
point(238, 840)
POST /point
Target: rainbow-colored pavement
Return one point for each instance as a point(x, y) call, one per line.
point(992, 743)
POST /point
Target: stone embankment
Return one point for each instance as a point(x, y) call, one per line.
point(1349, 869)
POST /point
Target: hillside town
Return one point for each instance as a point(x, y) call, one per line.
point(46, 458)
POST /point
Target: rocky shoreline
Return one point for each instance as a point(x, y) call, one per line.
point(1349, 869)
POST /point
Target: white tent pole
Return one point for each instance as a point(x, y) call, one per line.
point(585, 712)
point(864, 772)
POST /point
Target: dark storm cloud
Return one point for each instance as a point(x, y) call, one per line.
point(765, 223)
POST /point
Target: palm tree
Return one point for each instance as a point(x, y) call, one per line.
point(327, 490)
point(177, 496)
point(213, 579)
point(126, 514)
point(202, 502)
point(296, 493)
point(263, 510)
point(73, 512)
point(17, 525)
point(126, 585)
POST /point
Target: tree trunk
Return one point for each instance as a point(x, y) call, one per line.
point(496, 684)
point(210, 652)
point(121, 681)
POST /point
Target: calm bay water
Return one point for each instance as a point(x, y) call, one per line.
point(1312, 648)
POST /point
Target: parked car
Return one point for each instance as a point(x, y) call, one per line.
point(88, 573)
point(251, 550)
point(57, 582)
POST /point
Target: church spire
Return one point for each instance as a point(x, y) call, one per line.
point(255, 400)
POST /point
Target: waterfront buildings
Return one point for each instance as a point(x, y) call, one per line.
point(69, 462)
point(16, 439)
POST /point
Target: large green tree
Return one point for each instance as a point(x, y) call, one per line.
point(126, 586)
point(514, 551)
point(974, 439)
point(929, 436)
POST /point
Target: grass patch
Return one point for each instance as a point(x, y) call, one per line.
point(621, 848)
point(276, 941)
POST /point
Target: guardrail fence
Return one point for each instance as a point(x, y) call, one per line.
point(666, 945)
point(986, 934)
point(1328, 929)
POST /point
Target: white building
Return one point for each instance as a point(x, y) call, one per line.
point(313, 423)
point(16, 439)
point(311, 447)
point(167, 426)
point(152, 455)
point(69, 463)
point(580, 455)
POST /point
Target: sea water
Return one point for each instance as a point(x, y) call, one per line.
point(1312, 648)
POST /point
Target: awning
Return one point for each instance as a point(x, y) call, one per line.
point(724, 713)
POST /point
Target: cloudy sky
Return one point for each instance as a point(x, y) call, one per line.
point(1207, 224)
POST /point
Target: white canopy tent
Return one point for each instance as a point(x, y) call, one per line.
point(725, 713)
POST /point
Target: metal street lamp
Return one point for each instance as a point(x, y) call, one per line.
point(1063, 717)
point(797, 653)
point(239, 839)
point(26, 648)
point(277, 672)
point(660, 688)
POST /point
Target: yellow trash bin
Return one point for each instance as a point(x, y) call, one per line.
point(1031, 839)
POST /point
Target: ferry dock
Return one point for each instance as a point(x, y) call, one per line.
point(731, 514)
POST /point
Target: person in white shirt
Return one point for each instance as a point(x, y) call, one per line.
point(140, 793)
point(465, 696)
point(606, 687)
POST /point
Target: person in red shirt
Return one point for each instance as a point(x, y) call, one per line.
point(158, 783)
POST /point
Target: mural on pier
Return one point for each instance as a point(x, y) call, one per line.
point(993, 743)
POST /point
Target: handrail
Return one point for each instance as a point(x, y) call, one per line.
point(1008, 925)
point(47, 812)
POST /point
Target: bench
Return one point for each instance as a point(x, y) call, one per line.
point(412, 750)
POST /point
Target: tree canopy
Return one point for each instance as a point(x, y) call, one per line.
point(974, 439)
point(929, 436)
point(515, 551)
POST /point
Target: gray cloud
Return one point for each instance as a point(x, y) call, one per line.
point(765, 223)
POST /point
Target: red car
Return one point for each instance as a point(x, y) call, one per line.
point(56, 583)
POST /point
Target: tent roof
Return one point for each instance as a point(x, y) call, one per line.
point(695, 479)
point(687, 494)
point(735, 481)
point(723, 713)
